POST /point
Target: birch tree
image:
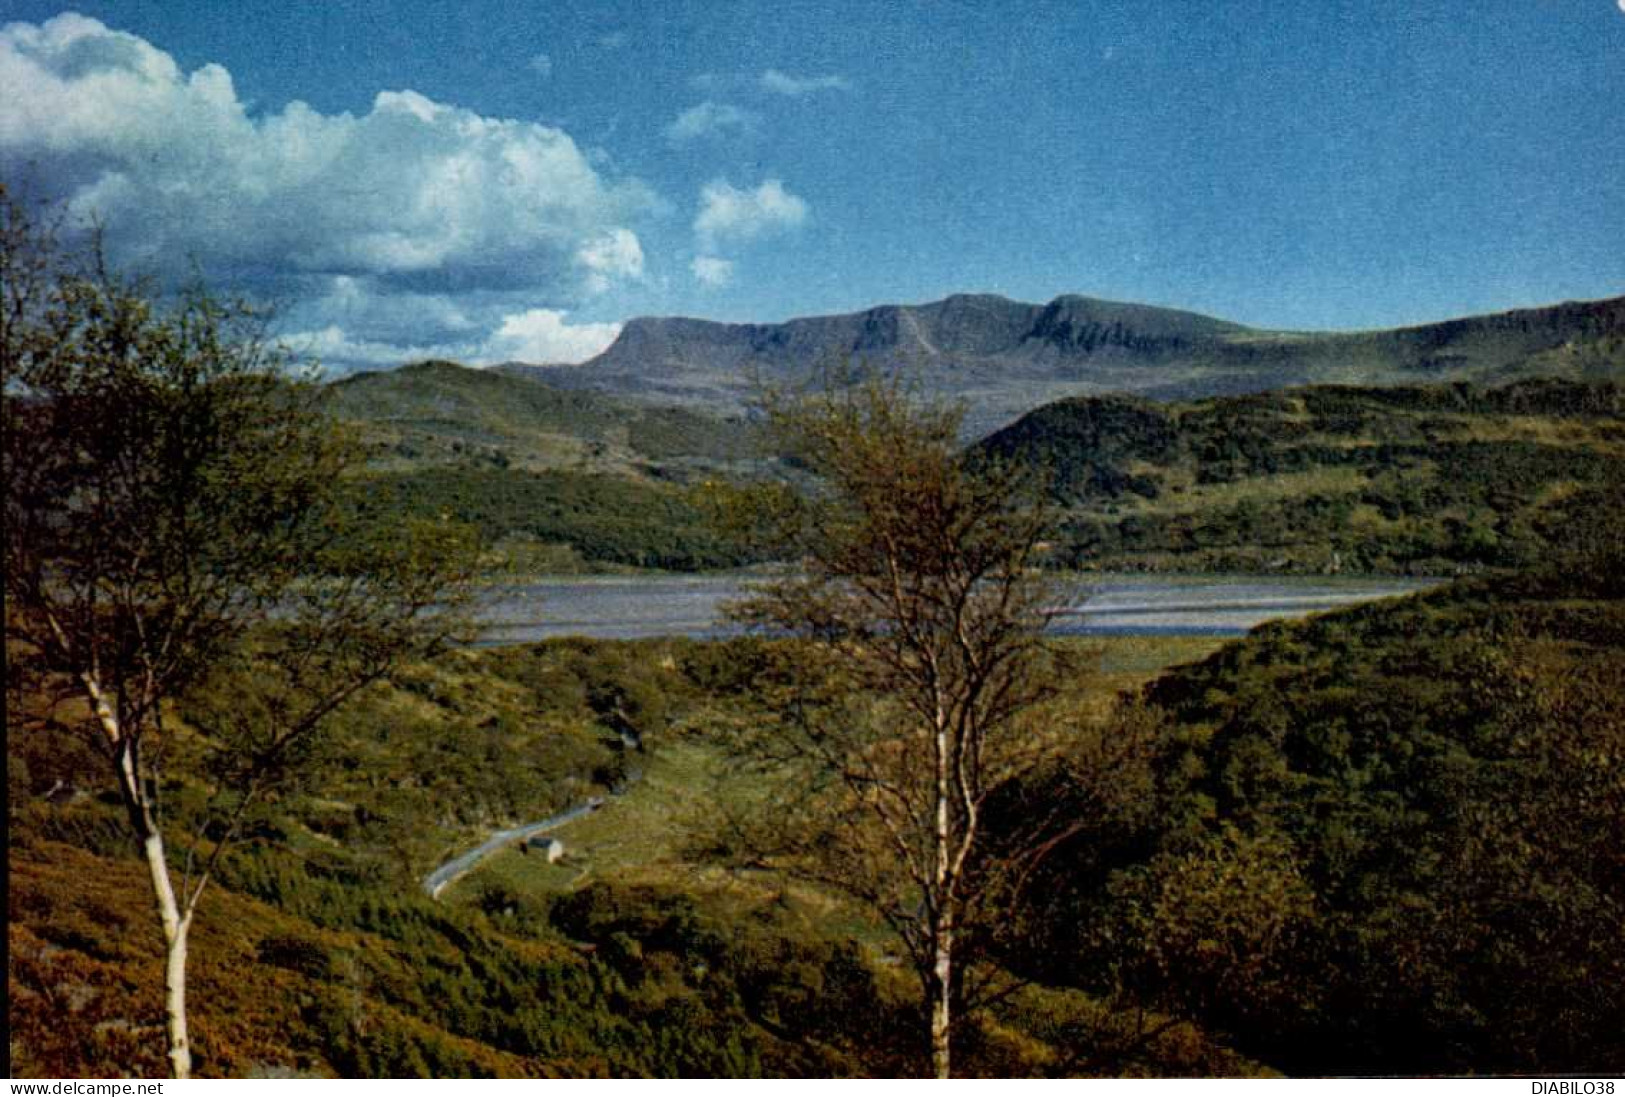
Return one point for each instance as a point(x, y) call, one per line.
point(174, 515)
point(910, 698)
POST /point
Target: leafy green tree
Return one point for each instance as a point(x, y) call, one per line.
point(176, 515)
point(912, 695)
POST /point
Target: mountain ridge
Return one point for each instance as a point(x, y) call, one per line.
point(1004, 357)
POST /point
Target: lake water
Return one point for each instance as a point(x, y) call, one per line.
point(622, 608)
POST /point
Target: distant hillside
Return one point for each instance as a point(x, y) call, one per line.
point(1414, 479)
point(435, 413)
point(1425, 479)
point(1005, 357)
point(555, 480)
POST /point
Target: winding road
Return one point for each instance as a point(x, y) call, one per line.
point(442, 877)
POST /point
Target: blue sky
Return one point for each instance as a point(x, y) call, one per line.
point(504, 180)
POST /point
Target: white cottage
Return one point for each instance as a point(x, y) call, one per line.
point(547, 844)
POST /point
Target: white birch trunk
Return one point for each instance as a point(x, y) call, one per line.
point(943, 930)
point(176, 927)
point(942, 974)
point(175, 923)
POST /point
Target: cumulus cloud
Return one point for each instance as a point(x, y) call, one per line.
point(546, 336)
point(712, 271)
point(542, 65)
point(413, 190)
point(729, 214)
point(616, 255)
point(710, 119)
point(367, 312)
point(345, 335)
point(782, 83)
point(414, 229)
point(333, 346)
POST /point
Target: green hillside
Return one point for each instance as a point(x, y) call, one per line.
point(567, 521)
point(1386, 840)
point(317, 952)
point(554, 480)
point(435, 413)
point(1425, 479)
point(1575, 340)
point(1435, 479)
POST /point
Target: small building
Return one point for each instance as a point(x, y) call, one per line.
point(546, 843)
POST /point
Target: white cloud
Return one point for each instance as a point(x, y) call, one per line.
point(333, 347)
point(415, 229)
point(415, 191)
point(710, 119)
point(616, 255)
point(729, 214)
point(364, 311)
point(538, 335)
point(541, 65)
point(546, 336)
point(784, 84)
point(712, 271)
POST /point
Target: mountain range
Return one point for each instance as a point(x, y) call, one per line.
point(1005, 357)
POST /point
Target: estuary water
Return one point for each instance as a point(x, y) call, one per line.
point(626, 608)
